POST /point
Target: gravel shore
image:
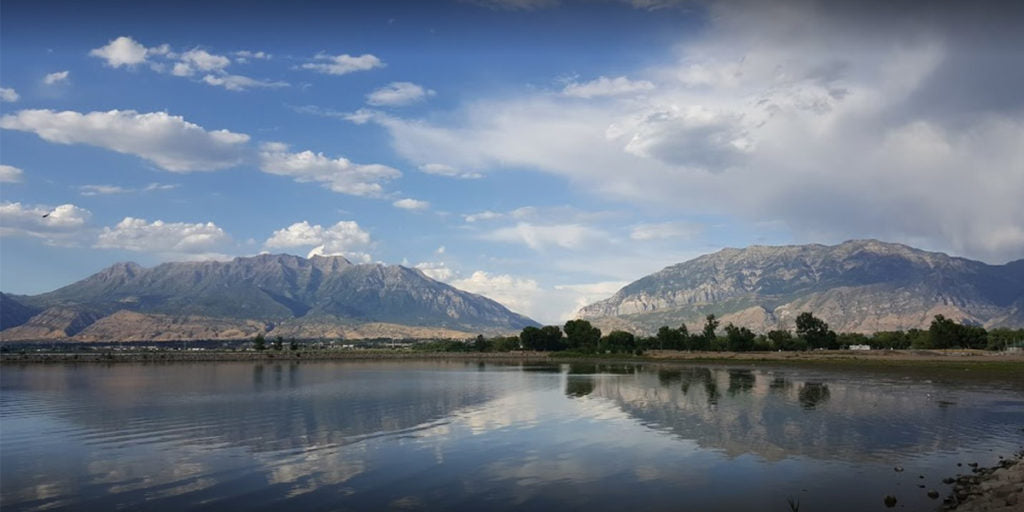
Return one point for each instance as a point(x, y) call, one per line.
point(996, 489)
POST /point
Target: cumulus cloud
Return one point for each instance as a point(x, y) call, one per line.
point(123, 51)
point(449, 171)
point(59, 225)
point(204, 61)
point(56, 78)
point(174, 240)
point(345, 238)
point(604, 86)
point(833, 121)
point(9, 95)
point(542, 237)
point(168, 141)
point(411, 204)
point(342, 64)
point(438, 271)
point(337, 174)
point(397, 94)
point(10, 174)
point(515, 293)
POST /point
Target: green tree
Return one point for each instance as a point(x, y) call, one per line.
point(784, 340)
point(293, 345)
point(815, 332)
point(669, 338)
point(618, 341)
point(707, 339)
point(580, 335)
point(548, 337)
point(259, 342)
point(739, 339)
point(943, 333)
point(279, 343)
point(480, 344)
point(505, 343)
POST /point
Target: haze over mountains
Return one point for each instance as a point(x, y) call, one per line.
point(283, 294)
point(857, 286)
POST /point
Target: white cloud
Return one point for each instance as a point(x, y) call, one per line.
point(833, 122)
point(542, 237)
point(9, 95)
point(241, 83)
point(438, 271)
point(576, 296)
point(174, 240)
point(665, 230)
point(398, 94)
point(342, 64)
point(604, 86)
point(483, 216)
point(123, 51)
point(56, 78)
point(159, 186)
point(411, 204)
point(182, 69)
point(512, 292)
point(56, 226)
point(345, 238)
point(168, 141)
point(338, 174)
point(10, 174)
point(204, 61)
point(244, 55)
point(447, 170)
point(96, 190)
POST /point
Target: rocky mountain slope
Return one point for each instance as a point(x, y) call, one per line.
point(280, 294)
point(856, 286)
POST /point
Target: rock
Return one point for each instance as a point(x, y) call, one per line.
point(890, 501)
point(898, 469)
point(933, 494)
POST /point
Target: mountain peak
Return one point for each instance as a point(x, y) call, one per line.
point(858, 285)
point(304, 297)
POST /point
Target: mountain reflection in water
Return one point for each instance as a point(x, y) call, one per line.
point(470, 436)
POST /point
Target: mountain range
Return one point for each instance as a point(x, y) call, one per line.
point(857, 286)
point(278, 294)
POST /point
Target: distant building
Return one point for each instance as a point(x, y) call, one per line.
point(860, 347)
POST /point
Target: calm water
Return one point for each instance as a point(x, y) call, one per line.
point(469, 436)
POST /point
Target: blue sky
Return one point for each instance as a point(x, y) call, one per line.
point(540, 152)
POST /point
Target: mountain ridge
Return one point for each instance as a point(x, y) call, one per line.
point(287, 293)
point(857, 286)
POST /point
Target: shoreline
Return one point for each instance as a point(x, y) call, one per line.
point(997, 488)
point(968, 361)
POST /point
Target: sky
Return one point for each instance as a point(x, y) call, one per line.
point(543, 153)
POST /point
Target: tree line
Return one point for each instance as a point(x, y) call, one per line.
point(811, 333)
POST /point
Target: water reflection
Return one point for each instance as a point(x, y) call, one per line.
point(813, 394)
point(472, 436)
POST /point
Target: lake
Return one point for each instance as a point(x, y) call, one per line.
point(474, 436)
